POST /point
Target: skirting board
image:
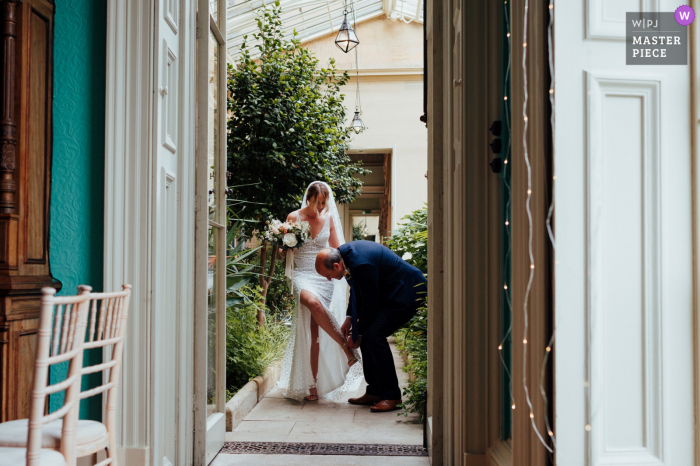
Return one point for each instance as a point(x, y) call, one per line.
point(133, 456)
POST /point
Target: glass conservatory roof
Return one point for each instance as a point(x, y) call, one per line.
point(311, 18)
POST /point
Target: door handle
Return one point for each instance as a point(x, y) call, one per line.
point(164, 90)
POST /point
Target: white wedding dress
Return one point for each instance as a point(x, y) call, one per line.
point(335, 378)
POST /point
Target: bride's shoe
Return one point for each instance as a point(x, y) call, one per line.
point(313, 396)
point(354, 359)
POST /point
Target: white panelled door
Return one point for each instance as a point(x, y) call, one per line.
point(173, 235)
point(623, 266)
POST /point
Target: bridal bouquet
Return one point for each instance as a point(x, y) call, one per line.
point(288, 235)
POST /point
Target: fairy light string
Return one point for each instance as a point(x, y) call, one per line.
point(550, 232)
point(528, 209)
point(506, 340)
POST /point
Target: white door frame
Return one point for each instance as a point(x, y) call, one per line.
point(209, 429)
point(131, 137)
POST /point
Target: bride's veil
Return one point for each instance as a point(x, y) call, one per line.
point(332, 209)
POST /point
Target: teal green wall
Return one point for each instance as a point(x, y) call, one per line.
point(77, 193)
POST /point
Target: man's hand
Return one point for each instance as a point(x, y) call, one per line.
point(346, 327)
point(352, 344)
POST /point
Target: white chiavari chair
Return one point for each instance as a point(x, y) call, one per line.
point(106, 327)
point(107, 314)
point(61, 338)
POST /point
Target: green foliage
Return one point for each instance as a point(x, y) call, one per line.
point(240, 264)
point(280, 299)
point(250, 349)
point(410, 241)
point(359, 232)
point(287, 127)
point(412, 238)
point(413, 341)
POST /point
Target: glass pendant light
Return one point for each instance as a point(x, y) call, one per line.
point(357, 125)
point(347, 38)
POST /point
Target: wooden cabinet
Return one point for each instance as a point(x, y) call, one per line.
point(26, 45)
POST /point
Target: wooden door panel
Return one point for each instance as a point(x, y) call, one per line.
point(25, 174)
point(38, 139)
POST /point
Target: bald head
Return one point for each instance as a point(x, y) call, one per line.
point(329, 263)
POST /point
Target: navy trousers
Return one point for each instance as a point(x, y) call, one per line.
point(377, 359)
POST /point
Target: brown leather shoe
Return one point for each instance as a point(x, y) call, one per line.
point(385, 406)
point(365, 399)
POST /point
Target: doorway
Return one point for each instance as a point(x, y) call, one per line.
point(370, 215)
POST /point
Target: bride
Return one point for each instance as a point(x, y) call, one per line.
point(317, 363)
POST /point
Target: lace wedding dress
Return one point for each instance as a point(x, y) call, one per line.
point(335, 378)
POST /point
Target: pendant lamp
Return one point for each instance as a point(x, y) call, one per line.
point(357, 124)
point(346, 39)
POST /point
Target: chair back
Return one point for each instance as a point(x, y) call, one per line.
point(107, 327)
point(60, 339)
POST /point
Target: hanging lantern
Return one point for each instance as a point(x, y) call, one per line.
point(357, 124)
point(347, 39)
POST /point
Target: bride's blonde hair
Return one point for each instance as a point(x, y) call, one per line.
point(314, 190)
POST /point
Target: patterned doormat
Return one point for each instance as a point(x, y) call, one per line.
point(349, 449)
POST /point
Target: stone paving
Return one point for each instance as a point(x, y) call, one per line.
point(277, 419)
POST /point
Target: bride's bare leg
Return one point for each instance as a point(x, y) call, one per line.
point(322, 320)
point(314, 360)
point(314, 348)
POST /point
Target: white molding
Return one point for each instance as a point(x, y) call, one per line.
point(599, 27)
point(168, 92)
point(128, 130)
point(132, 183)
point(601, 86)
point(171, 14)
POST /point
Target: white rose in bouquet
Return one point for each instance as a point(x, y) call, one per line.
point(275, 226)
point(290, 240)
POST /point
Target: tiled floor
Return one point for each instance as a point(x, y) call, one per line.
point(277, 419)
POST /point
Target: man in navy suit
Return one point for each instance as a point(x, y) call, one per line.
point(385, 292)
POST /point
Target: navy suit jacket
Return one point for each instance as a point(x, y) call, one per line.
point(379, 280)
